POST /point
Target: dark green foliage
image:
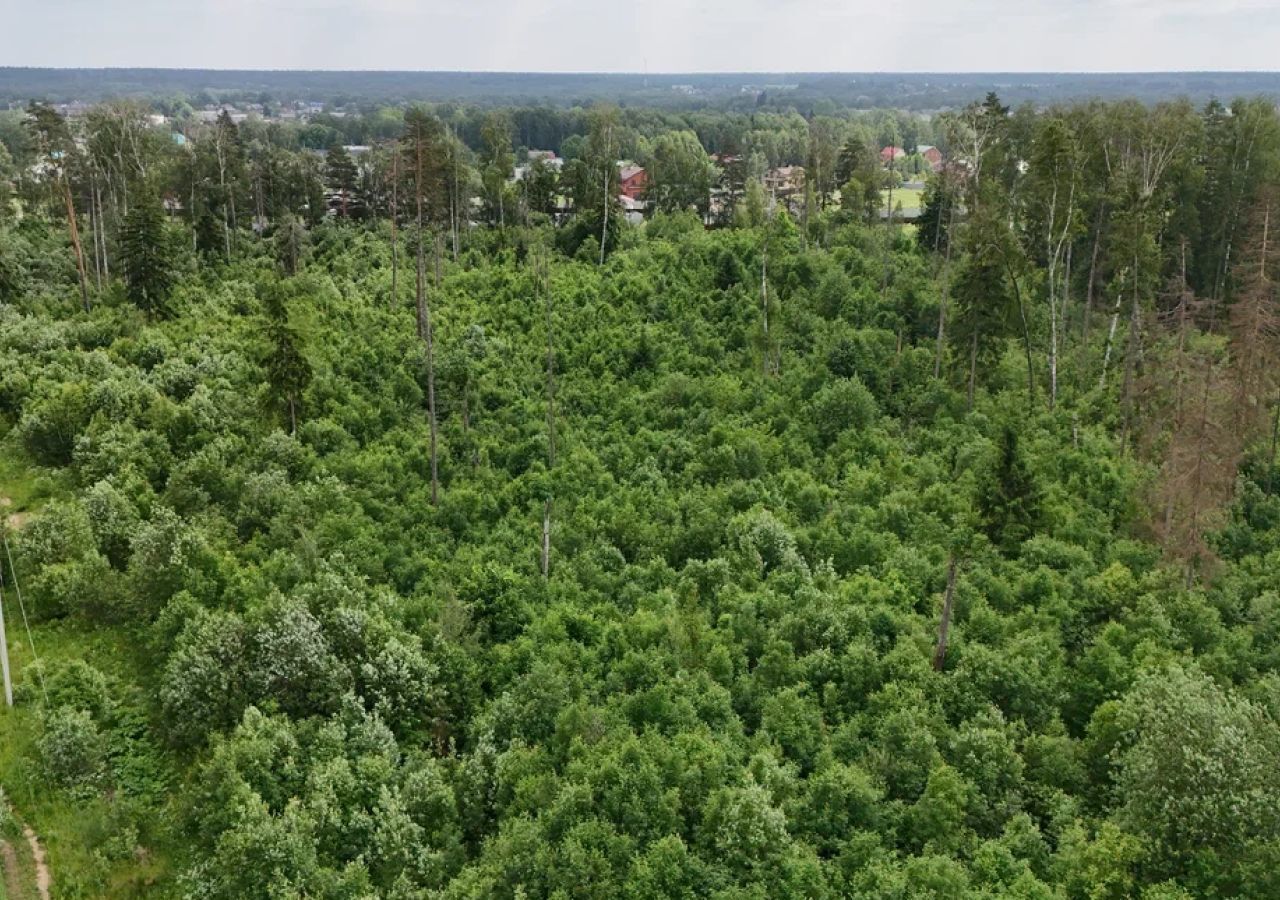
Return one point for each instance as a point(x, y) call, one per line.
point(938, 215)
point(146, 257)
point(1009, 501)
point(287, 369)
point(341, 177)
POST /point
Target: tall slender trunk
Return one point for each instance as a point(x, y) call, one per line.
point(608, 165)
point(551, 417)
point(424, 332)
point(191, 201)
point(1111, 336)
point(1090, 284)
point(973, 369)
point(551, 372)
point(222, 186)
point(546, 539)
point(74, 228)
point(1053, 347)
point(458, 212)
point(424, 317)
point(395, 233)
point(946, 290)
point(1131, 358)
point(888, 235)
point(95, 231)
point(1026, 333)
point(1065, 303)
point(764, 299)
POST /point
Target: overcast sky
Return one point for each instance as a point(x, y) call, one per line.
point(647, 35)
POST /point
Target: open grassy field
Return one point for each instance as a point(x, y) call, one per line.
point(908, 198)
point(26, 487)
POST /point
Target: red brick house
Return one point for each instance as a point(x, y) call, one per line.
point(632, 182)
point(932, 155)
point(889, 154)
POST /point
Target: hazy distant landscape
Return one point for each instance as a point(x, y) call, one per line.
point(728, 90)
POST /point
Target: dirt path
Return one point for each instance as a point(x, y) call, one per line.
point(9, 863)
point(16, 873)
point(37, 856)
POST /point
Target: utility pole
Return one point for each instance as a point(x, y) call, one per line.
point(4, 643)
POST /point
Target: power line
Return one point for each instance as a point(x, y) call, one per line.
point(22, 607)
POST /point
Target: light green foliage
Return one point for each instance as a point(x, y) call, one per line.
point(1198, 781)
point(71, 747)
point(679, 173)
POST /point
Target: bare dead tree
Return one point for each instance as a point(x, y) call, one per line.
point(944, 624)
point(1254, 327)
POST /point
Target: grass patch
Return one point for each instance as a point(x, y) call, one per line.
point(27, 485)
point(909, 198)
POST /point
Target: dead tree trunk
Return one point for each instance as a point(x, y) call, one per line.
point(551, 416)
point(608, 165)
point(944, 626)
point(74, 228)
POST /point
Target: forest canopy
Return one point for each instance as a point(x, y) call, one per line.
point(382, 521)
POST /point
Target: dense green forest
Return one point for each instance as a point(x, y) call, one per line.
point(388, 527)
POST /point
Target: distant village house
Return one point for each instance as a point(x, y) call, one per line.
point(632, 181)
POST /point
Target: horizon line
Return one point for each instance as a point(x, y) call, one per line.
point(643, 74)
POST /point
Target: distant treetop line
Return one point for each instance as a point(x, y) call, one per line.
point(804, 91)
